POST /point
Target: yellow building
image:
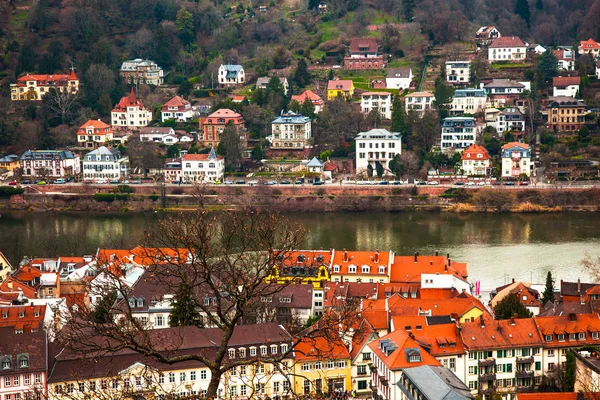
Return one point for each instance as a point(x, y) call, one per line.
point(303, 266)
point(338, 87)
point(34, 87)
point(323, 365)
point(5, 267)
point(10, 163)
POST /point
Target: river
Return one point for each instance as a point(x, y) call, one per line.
point(497, 247)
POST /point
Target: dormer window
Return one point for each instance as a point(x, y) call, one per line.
point(352, 269)
point(365, 269)
point(336, 268)
point(382, 270)
point(242, 352)
point(231, 353)
point(548, 338)
point(581, 336)
point(273, 349)
point(24, 362)
point(6, 363)
point(414, 357)
point(561, 338)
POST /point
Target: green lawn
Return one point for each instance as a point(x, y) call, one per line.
point(509, 66)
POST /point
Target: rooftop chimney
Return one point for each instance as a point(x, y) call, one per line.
point(345, 256)
point(437, 252)
point(416, 256)
point(572, 317)
point(377, 256)
point(578, 285)
point(481, 321)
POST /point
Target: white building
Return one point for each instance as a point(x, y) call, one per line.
point(458, 72)
point(589, 46)
point(94, 133)
point(505, 87)
point(291, 131)
point(566, 58)
point(130, 113)
point(398, 78)
point(231, 75)
point(510, 119)
point(419, 102)
point(507, 48)
point(486, 34)
point(263, 82)
point(516, 160)
point(178, 109)
point(567, 86)
point(50, 164)
point(196, 168)
point(475, 161)
point(458, 133)
point(380, 101)
point(598, 70)
point(105, 163)
point(376, 146)
point(164, 135)
point(140, 71)
point(468, 101)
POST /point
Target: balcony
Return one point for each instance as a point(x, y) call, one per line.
point(524, 374)
point(525, 360)
point(489, 362)
point(361, 373)
point(487, 377)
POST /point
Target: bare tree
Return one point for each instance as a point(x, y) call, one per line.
point(412, 33)
point(62, 104)
point(591, 264)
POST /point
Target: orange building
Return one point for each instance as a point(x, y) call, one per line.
point(34, 87)
point(94, 133)
point(212, 127)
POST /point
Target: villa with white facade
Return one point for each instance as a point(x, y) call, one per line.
point(376, 146)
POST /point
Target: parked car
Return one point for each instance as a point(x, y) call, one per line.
point(470, 183)
point(101, 181)
point(481, 183)
point(59, 181)
point(318, 183)
point(284, 182)
point(12, 183)
point(26, 182)
point(496, 183)
point(114, 181)
point(433, 183)
point(459, 183)
point(524, 183)
point(270, 183)
point(384, 183)
point(136, 182)
point(509, 184)
point(228, 182)
point(252, 183)
point(395, 183)
point(41, 183)
point(421, 183)
point(299, 182)
point(240, 182)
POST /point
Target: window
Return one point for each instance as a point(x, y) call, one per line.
point(361, 369)
point(171, 377)
point(453, 364)
point(286, 386)
point(242, 352)
point(182, 377)
point(252, 351)
point(231, 353)
point(243, 390)
point(81, 387)
point(159, 320)
point(161, 378)
point(284, 347)
point(581, 336)
point(6, 364)
point(263, 350)
point(561, 337)
point(306, 367)
point(548, 338)
point(274, 348)
point(594, 335)
point(24, 362)
point(233, 391)
point(70, 388)
point(27, 379)
point(16, 380)
point(365, 269)
point(352, 269)
point(7, 381)
point(276, 387)
point(550, 353)
point(203, 374)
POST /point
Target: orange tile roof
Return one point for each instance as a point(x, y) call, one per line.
point(388, 289)
point(375, 93)
point(370, 305)
point(148, 255)
point(106, 256)
point(439, 340)
point(507, 41)
point(361, 337)
point(515, 144)
point(566, 324)
point(308, 94)
point(96, 124)
point(10, 316)
point(47, 77)
point(472, 152)
point(12, 284)
point(319, 348)
point(565, 80)
point(339, 84)
point(438, 293)
point(458, 306)
point(128, 101)
point(198, 157)
point(589, 44)
point(495, 334)
point(549, 396)
point(224, 113)
point(399, 358)
point(378, 319)
point(176, 101)
point(374, 259)
point(28, 273)
point(405, 269)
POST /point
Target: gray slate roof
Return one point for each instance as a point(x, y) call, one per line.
point(375, 134)
point(314, 163)
point(437, 383)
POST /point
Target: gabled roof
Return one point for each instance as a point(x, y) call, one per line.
point(24, 317)
point(96, 124)
point(32, 345)
point(566, 324)
point(561, 54)
point(321, 348)
point(439, 340)
point(308, 94)
point(437, 383)
point(176, 101)
point(12, 284)
point(399, 72)
point(48, 78)
point(225, 113)
point(589, 44)
point(395, 351)
point(340, 84)
point(373, 259)
point(128, 101)
point(315, 163)
point(420, 94)
point(456, 306)
point(511, 145)
point(475, 152)
point(566, 80)
point(358, 44)
point(363, 335)
point(507, 41)
point(410, 268)
point(500, 334)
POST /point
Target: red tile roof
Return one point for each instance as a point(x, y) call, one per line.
point(12, 284)
point(515, 144)
point(150, 255)
point(339, 84)
point(457, 306)
point(589, 44)
point(308, 94)
point(329, 166)
point(439, 340)
point(128, 101)
point(27, 273)
point(500, 334)
point(224, 113)
point(560, 55)
point(406, 269)
point(507, 41)
point(378, 319)
point(549, 396)
point(566, 80)
point(361, 337)
point(373, 259)
point(319, 348)
point(358, 44)
point(473, 151)
point(405, 346)
point(96, 124)
point(176, 101)
point(566, 324)
point(48, 78)
point(198, 157)
point(32, 317)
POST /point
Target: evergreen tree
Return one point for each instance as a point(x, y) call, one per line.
point(172, 151)
point(522, 10)
point(185, 309)
point(442, 98)
point(46, 139)
point(185, 88)
point(539, 4)
point(548, 294)
point(313, 4)
point(301, 75)
point(397, 166)
point(230, 146)
point(509, 306)
point(26, 61)
point(547, 66)
point(308, 109)
point(330, 77)
point(398, 116)
point(570, 373)
point(101, 313)
point(185, 26)
point(408, 7)
point(258, 153)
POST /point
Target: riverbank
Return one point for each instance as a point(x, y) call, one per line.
point(88, 198)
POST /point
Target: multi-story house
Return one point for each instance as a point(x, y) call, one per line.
point(419, 102)
point(432, 383)
point(26, 318)
point(362, 358)
point(458, 72)
point(468, 101)
point(363, 54)
point(263, 83)
point(399, 78)
point(105, 163)
point(565, 86)
point(376, 146)
point(565, 114)
point(391, 354)
point(510, 119)
point(178, 109)
point(565, 57)
point(195, 168)
point(230, 75)
point(322, 366)
point(212, 127)
point(34, 87)
point(589, 46)
point(94, 133)
point(476, 161)
point(5, 267)
point(458, 133)
point(158, 134)
point(128, 375)
point(130, 113)
point(361, 266)
point(291, 131)
point(24, 364)
point(507, 48)
point(379, 101)
point(516, 160)
point(504, 356)
point(486, 35)
point(140, 71)
point(340, 88)
point(50, 164)
point(311, 96)
point(287, 304)
point(10, 162)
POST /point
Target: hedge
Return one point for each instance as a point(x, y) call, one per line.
point(7, 191)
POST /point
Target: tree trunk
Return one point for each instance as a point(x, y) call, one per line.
point(213, 386)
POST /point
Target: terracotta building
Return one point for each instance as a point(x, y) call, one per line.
point(212, 127)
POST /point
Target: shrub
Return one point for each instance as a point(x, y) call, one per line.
point(7, 191)
point(153, 197)
point(177, 191)
point(124, 189)
point(276, 192)
point(105, 197)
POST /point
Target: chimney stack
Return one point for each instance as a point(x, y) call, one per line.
point(437, 253)
point(345, 256)
point(578, 285)
point(481, 321)
point(377, 256)
point(572, 317)
point(416, 256)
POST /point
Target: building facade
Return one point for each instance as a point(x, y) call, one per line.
point(589, 46)
point(340, 88)
point(565, 114)
point(291, 131)
point(178, 109)
point(516, 160)
point(379, 101)
point(212, 127)
point(230, 75)
point(510, 119)
point(195, 168)
point(377, 146)
point(565, 86)
point(139, 71)
point(50, 164)
point(399, 78)
point(507, 48)
point(476, 161)
point(34, 87)
point(566, 58)
point(419, 102)
point(10, 162)
point(458, 133)
point(94, 133)
point(130, 113)
point(468, 101)
point(486, 35)
point(363, 54)
point(311, 96)
point(105, 163)
point(458, 72)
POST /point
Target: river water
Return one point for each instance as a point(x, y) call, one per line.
point(497, 247)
